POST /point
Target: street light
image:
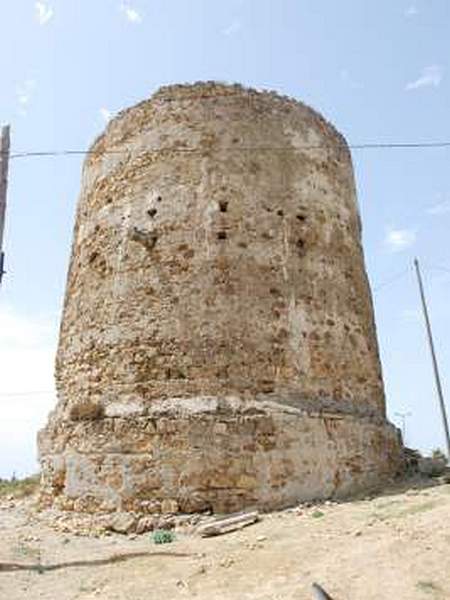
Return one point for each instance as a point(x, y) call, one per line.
point(403, 416)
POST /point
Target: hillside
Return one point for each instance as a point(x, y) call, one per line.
point(395, 545)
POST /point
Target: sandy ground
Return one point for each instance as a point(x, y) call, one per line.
point(394, 546)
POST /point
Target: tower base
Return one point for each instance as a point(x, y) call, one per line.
point(223, 454)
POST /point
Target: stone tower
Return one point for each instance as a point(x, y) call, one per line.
point(217, 346)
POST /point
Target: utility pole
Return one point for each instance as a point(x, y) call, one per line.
point(433, 358)
point(4, 164)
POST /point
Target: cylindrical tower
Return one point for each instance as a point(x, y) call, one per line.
point(217, 345)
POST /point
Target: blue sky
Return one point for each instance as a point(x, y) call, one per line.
point(378, 70)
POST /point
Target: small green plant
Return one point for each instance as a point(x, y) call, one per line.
point(163, 536)
point(427, 586)
point(317, 514)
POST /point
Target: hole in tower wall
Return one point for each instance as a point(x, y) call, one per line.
point(158, 199)
point(152, 212)
point(280, 212)
point(301, 217)
point(222, 235)
point(223, 206)
point(300, 244)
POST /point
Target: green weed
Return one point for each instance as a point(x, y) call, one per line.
point(163, 536)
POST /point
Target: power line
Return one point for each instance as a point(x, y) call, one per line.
point(391, 280)
point(367, 146)
point(439, 268)
point(399, 145)
point(384, 284)
point(30, 393)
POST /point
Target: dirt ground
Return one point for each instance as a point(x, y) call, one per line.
point(396, 545)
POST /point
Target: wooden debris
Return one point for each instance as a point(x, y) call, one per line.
point(228, 524)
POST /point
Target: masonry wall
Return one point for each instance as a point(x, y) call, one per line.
point(216, 258)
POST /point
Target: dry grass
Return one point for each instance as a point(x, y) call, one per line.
point(19, 488)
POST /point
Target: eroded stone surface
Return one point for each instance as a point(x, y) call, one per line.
point(216, 306)
point(248, 454)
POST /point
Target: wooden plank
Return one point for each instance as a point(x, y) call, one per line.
point(228, 524)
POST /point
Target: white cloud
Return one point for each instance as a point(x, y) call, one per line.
point(440, 208)
point(27, 350)
point(233, 28)
point(106, 114)
point(431, 77)
point(24, 94)
point(131, 14)
point(44, 12)
point(411, 11)
point(399, 239)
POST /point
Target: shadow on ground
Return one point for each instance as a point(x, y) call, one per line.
point(116, 558)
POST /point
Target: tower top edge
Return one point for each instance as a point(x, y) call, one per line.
point(204, 90)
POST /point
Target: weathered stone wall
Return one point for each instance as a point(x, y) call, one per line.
point(216, 259)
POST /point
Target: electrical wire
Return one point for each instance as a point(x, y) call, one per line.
point(30, 393)
point(438, 268)
point(367, 146)
point(391, 280)
point(375, 289)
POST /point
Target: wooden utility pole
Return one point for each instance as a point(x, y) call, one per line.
point(433, 358)
point(4, 164)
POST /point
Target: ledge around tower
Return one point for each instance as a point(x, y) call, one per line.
point(219, 454)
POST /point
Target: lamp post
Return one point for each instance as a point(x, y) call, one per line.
point(403, 416)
